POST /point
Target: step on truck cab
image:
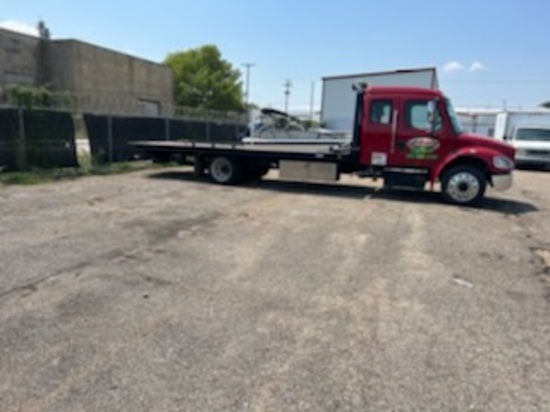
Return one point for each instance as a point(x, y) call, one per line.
point(409, 137)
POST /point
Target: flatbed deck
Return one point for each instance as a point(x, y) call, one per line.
point(319, 151)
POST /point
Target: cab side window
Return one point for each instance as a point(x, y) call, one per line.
point(381, 112)
point(416, 115)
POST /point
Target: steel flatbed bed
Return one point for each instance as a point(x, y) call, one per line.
point(336, 149)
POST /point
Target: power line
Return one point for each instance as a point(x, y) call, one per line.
point(497, 83)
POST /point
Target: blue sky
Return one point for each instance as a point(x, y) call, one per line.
point(486, 52)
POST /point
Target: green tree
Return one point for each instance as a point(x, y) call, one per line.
point(203, 79)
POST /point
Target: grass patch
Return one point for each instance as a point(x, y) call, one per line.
point(123, 167)
point(24, 178)
point(40, 176)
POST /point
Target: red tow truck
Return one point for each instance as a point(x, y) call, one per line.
point(409, 137)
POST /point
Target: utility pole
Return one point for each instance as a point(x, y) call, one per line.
point(287, 85)
point(247, 95)
point(311, 101)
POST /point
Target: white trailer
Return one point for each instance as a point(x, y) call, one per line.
point(479, 121)
point(338, 98)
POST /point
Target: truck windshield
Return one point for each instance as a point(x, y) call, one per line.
point(533, 135)
point(457, 127)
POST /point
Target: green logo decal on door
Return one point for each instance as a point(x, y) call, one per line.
point(423, 148)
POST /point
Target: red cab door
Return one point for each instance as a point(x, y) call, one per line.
point(415, 144)
point(378, 126)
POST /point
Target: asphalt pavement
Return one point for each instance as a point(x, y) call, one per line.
point(153, 291)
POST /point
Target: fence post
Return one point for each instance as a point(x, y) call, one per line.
point(167, 129)
point(22, 158)
point(110, 138)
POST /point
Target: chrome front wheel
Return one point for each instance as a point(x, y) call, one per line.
point(463, 185)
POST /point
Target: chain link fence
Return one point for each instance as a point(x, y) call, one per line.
point(32, 136)
point(110, 136)
point(36, 139)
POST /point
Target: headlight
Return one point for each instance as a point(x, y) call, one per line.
point(503, 162)
point(521, 152)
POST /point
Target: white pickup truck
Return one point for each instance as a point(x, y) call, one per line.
point(530, 135)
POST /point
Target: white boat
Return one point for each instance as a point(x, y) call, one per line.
point(274, 126)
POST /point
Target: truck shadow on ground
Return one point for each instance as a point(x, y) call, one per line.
point(492, 204)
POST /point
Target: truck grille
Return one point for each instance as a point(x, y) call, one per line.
point(538, 152)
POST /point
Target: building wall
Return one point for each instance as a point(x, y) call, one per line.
point(19, 59)
point(98, 79)
point(59, 68)
point(478, 122)
point(102, 78)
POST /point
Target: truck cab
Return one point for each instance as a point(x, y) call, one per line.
point(412, 136)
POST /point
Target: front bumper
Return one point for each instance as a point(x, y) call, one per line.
point(502, 182)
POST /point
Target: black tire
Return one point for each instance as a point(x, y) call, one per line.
point(255, 171)
point(225, 170)
point(262, 170)
point(463, 185)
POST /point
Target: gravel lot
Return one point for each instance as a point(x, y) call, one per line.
point(153, 291)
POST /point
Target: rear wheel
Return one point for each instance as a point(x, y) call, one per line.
point(463, 185)
point(224, 170)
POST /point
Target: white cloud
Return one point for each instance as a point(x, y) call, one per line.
point(19, 27)
point(453, 66)
point(476, 66)
point(456, 66)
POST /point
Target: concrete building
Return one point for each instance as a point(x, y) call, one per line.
point(97, 79)
point(19, 59)
point(338, 98)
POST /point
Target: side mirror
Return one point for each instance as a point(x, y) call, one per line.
point(431, 109)
point(359, 87)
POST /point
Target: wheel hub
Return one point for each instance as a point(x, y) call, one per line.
point(463, 187)
point(221, 170)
